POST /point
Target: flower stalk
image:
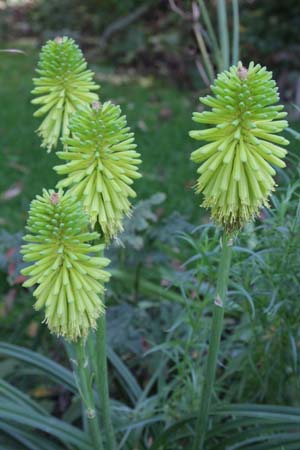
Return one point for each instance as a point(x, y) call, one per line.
point(214, 344)
point(102, 383)
point(86, 392)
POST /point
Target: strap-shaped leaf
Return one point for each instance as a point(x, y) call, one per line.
point(12, 393)
point(50, 368)
point(61, 430)
point(126, 378)
point(30, 440)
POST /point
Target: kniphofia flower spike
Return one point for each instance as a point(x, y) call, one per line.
point(102, 164)
point(70, 278)
point(64, 85)
point(236, 175)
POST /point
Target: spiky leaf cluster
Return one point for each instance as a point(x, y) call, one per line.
point(236, 173)
point(69, 277)
point(101, 164)
point(64, 85)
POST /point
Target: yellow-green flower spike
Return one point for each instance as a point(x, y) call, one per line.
point(101, 165)
point(64, 85)
point(236, 173)
point(69, 277)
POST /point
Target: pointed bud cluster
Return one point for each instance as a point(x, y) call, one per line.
point(101, 165)
point(64, 86)
point(236, 173)
point(69, 278)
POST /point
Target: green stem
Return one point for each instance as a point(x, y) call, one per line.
point(223, 33)
point(203, 50)
point(211, 33)
point(214, 345)
point(86, 392)
point(236, 32)
point(102, 382)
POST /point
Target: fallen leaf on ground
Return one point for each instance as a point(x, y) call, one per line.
point(12, 192)
point(142, 126)
point(32, 329)
point(165, 113)
point(9, 299)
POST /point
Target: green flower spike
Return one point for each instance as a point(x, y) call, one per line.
point(236, 173)
point(69, 279)
point(102, 164)
point(64, 86)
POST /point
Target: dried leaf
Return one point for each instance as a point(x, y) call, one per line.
point(12, 192)
point(9, 299)
point(142, 125)
point(165, 113)
point(12, 50)
point(33, 328)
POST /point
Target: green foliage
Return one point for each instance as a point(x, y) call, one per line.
point(57, 15)
point(282, 38)
point(268, 279)
point(159, 393)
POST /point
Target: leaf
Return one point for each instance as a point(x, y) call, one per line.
point(31, 440)
point(61, 430)
point(15, 395)
point(12, 192)
point(126, 378)
point(55, 371)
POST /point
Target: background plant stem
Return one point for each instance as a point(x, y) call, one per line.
point(214, 344)
point(236, 32)
point(102, 381)
point(211, 33)
point(86, 392)
point(223, 33)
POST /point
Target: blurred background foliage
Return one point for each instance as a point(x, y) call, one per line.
point(156, 35)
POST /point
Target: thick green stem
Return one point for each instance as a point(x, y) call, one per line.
point(86, 392)
point(214, 344)
point(102, 382)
